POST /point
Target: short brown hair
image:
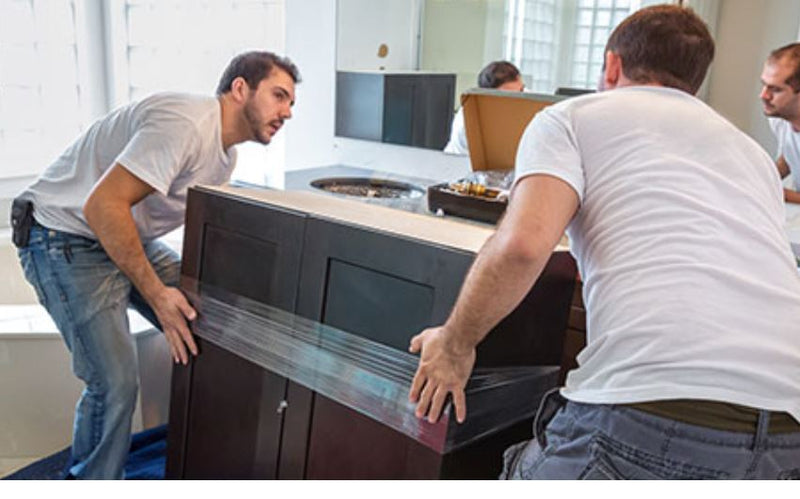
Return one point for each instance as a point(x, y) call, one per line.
point(254, 67)
point(792, 52)
point(666, 44)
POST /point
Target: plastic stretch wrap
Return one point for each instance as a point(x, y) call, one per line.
point(368, 377)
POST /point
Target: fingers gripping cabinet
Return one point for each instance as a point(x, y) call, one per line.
point(494, 121)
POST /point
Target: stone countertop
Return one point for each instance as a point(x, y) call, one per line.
point(300, 181)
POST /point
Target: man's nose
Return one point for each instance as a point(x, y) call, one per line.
point(765, 94)
point(287, 112)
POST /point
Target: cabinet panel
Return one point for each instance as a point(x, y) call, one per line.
point(377, 285)
point(401, 118)
point(232, 421)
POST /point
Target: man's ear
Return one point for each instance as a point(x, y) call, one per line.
point(240, 90)
point(612, 71)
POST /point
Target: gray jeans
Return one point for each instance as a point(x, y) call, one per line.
point(608, 442)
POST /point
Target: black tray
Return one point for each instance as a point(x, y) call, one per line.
point(440, 197)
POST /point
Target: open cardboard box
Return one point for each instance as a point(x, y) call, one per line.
point(494, 121)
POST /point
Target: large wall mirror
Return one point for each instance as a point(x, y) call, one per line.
point(554, 43)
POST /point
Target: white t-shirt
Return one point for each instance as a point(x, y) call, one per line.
point(788, 146)
point(170, 141)
point(458, 136)
point(690, 286)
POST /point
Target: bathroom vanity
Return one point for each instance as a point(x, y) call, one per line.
point(370, 271)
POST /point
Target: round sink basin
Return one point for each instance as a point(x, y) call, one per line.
point(368, 187)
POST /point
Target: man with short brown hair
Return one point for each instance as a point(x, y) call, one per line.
point(87, 229)
point(780, 95)
point(692, 363)
point(500, 75)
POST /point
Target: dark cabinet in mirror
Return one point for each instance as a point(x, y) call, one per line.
point(406, 108)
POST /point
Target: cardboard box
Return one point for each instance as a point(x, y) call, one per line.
point(494, 121)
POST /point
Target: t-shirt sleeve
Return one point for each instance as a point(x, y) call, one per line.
point(158, 150)
point(548, 146)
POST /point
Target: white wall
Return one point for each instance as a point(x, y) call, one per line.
point(366, 24)
point(311, 44)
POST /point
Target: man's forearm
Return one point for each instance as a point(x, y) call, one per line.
point(791, 196)
point(113, 224)
point(497, 282)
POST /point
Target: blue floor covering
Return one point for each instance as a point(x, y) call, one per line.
point(145, 461)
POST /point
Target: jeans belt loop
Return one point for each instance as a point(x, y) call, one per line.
point(551, 403)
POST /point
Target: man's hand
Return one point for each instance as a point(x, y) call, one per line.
point(173, 310)
point(443, 369)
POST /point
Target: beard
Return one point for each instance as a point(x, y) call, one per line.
point(251, 117)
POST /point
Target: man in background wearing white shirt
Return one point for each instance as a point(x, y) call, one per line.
point(780, 95)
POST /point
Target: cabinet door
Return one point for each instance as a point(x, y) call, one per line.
point(376, 285)
point(223, 409)
point(399, 120)
point(433, 102)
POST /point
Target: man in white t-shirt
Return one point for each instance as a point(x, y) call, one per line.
point(500, 75)
point(780, 95)
point(86, 231)
point(692, 362)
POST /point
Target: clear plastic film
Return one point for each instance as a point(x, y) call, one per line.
point(363, 375)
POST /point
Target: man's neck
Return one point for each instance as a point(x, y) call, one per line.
point(230, 126)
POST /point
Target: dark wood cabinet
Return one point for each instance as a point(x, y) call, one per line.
point(232, 418)
point(413, 108)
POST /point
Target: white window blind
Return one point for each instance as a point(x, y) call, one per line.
point(185, 44)
point(40, 91)
point(64, 63)
point(531, 34)
point(594, 21)
point(561, 43)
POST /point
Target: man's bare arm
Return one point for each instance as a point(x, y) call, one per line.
point(789, 195)
point(108, 212)
point(503, 272)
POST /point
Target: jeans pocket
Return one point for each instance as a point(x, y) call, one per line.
point(32, 274)
point(614, 460)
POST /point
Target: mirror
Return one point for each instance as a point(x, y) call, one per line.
point(461, 36)
point(440, 36)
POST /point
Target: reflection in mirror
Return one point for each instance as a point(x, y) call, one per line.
point(554, 43)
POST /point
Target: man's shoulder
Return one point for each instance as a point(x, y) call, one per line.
point(779, 126)
point(177, 109)
point(176, 100)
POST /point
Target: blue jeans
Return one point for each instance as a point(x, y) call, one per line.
point(88, 296)
point(612, 442)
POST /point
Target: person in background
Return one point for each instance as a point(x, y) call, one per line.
point(86, 233)
point(501, 75)
point(780, 95)
point(675, 217)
